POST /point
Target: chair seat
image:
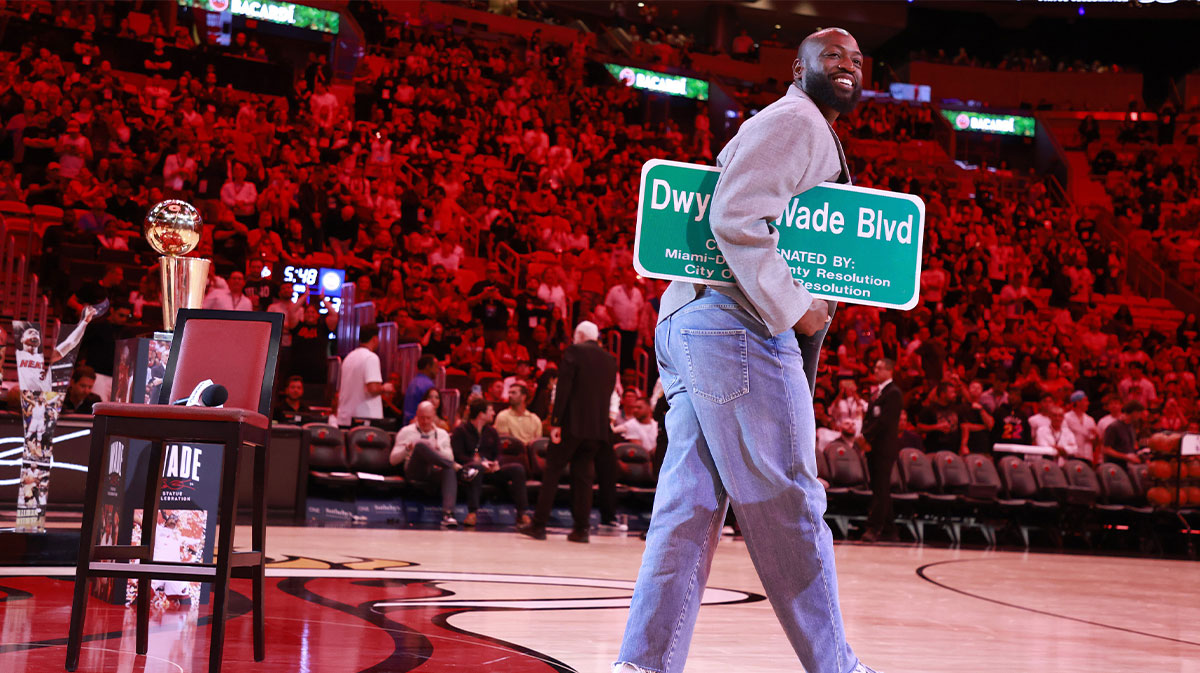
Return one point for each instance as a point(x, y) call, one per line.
point(180, 413)
point(906, 497)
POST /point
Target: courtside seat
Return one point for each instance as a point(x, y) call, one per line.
point(823, 476)
point(327, 465)
point(369, 450)
point(1052, 482)
point(848, 491)
point(1019, 483)
point(635, 467)
point(1081, 477)
point(1118, 490)
point(513, 450)
point(919, 477)
point(1138, 476)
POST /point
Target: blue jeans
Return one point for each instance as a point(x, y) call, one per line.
point(740, 430)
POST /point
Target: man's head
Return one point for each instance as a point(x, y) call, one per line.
point(947, 392)
point(295, 389)
point(643, 411)
point(518, 395)
point(427, 365)
point(480, 411)
point(828, 67)
point(884, 369)
point(82, 381)
point(113, 275)
point(586, 331)
point(368, 337)
point(426, 415)
point(1079, 401)
point(1056, 416)
point(31, 339)
point(237, 283)
point(1133, 412)
point(975, 390)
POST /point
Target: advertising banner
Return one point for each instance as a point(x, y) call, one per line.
point(43, 382)
point(848, 244)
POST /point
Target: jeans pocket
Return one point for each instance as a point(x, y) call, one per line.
point(717, 361)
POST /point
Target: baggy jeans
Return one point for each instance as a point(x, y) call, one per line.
point(740, 430)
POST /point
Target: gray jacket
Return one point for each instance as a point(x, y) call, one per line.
point(784, 150)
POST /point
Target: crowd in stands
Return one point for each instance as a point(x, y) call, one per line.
point(456, 148)
point(1021, 59)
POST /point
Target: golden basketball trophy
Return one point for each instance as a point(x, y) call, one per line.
point(173, 230)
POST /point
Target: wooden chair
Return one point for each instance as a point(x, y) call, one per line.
point(237, 349)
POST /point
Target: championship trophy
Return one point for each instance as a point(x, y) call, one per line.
point(173, 229)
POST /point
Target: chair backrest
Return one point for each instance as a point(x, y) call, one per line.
point(1017, 477)
point(822, 466)
point(237, 349)
point(845, 465)
point(1048, 475)
point(635, 466)
point(1115, 484)
point(537, 456)
point(368, 450)
point(897, 483)
point(1081, 475)
point(982, 470)
point(513, 450)
point(1138, 475)
point(326, 448)
point(951, 472)
point(917, 471)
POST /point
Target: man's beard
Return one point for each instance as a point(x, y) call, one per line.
point(820, 88)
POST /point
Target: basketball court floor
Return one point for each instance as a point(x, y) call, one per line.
point(351, 600)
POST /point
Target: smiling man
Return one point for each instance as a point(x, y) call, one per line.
point(738, 365)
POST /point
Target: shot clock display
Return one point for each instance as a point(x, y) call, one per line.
point(317, 281)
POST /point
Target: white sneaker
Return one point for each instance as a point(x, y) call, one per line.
point(628, 668)
point(862, 668)
point(614, 526)
point(448, 521)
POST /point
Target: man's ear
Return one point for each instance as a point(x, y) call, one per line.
point(797, 70)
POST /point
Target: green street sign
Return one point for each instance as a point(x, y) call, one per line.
point(845, 243)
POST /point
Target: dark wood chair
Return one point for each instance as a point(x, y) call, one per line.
point(239, 350)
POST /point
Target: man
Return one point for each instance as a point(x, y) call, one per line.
point(625, 302)
point(738, 379)
point(523, 377)
point(578, 429)
point(361, 384)
point(310, 341)
point(240, 195)
point(641, 429)
point(477, 444)
point(881, 440)
point(100, 345)
point(230, 297)
point(419, 386)
point(1082, 426)
point(94, 292)
point(80, 398)
point(1042, 417)
point(291, 408)
point(424, 448)
point(490, 300)
point(939, 420)
point(1136, 387)
point(848, 405)
point(517, 421)
point(1056, 436)
point(976, 423)
point(1120, 438)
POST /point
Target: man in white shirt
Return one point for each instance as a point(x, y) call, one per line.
point(624, 302)
point(1112, 404)
point(424, 448)
point(1082, 425)
point(848, 406)
point(179, 167)
point(1042, 417)
point(642, 429)
point(1056, 435)
point(361, 383)
point(230, 297)
point(1136, 387)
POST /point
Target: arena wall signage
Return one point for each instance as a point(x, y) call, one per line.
point(1008, 125)
point(659, 82)
point(844, 243)
point(285, 13)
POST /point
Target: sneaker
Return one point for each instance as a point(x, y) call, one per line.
point(524, 521)
point(448, 521)
point(580, 536)
point(533, 531)
point(728, 531)
point(614, 526)
point(863, 668)
point(469, 522)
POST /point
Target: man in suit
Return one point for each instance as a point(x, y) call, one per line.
point(579, 427)
point(881, 440)
point(738, 364)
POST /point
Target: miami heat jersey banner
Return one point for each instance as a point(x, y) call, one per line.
point(43, 381)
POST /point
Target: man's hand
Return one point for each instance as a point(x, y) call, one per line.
point(89, 313)
point(815, 320)
point(555, 434)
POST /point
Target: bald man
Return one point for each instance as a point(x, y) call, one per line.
point(737, 366)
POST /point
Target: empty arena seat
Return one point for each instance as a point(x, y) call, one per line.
point(1052, 482)
point(917, 471)
point(1117, 488)
point(951, 472)
point(1138, 476)
point(846, 469)
point(327, 464)
point(635, 465)
point(369, 450)
point(985, 480)
point(537, 458)
point(1082, 478)
point(1019, 483)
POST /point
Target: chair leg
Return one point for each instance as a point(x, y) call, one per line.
point(149, 526)
point(87, 540)
point(260, 545)
point(228, 518)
